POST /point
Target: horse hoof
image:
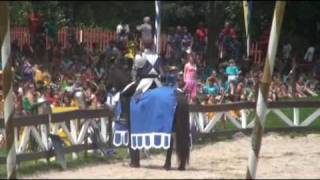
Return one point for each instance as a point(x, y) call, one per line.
point(134, 165)
point(181, 168)
point(167, 167)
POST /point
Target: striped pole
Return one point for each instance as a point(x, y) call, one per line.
point(8, 94)
point(157, 27)
point(261, 108)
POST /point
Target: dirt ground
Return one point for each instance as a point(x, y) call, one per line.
point(280, 157)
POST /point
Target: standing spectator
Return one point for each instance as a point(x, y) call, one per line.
point(227, 41)
point(190, 78)
point(132, 50)
point(201, 37)
point(123, 40)
point(177, 41)
point(121, 27)
point(286, 51)
point(187, 39)
point(232, 71)
point(35, 26)
point(52, 29)
point(146, 31)
point(169, 46)
point(308, 57)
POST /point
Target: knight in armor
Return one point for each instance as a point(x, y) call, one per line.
point(147, 69)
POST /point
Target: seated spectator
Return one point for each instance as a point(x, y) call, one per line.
point(172, 76)
point(211, 88)
point(38, 76)
point(27, 71)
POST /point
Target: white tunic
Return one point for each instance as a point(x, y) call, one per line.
point(139, 62)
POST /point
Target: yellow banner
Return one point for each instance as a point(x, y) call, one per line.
point(64, 109)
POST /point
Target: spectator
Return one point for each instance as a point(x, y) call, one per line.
point(308, 57)
point(201, 37)
point(177, 50)
point(146, 30)
point(190, 78)
point(232, 71)
point(35, 26)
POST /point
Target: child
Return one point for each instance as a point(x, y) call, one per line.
point(232, 71)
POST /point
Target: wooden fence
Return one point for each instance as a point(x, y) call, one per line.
point(86, 35)
point(76, 125)
point(256, 53)
point(102, 38)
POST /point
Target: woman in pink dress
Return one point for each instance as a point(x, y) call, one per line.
point(190, 78)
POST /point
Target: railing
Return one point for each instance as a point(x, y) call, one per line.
point(256, 53)
point(77, 124)
point(245, 117)
point(86, 35)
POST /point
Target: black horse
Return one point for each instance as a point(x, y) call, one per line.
point(119, 78)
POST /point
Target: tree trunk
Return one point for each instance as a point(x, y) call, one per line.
point(213, 21)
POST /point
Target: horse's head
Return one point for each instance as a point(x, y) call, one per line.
point(118, 75)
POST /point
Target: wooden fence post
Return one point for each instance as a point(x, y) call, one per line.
point(7, 88)
point(261, 107)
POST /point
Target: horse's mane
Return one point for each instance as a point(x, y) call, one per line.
point(118, 76)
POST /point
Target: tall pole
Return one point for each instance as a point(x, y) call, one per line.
point(157, 39)
point(7, 87)
point(261, 108)
point(246, 15)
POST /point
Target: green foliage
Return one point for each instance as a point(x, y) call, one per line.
point(300, 16)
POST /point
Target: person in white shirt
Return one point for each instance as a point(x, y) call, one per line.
point(146, 30)
point(286, 51)
point(308, 57)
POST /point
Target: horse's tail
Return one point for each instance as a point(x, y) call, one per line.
point(182, 130)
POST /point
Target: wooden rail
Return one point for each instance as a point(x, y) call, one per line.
point(90, 115)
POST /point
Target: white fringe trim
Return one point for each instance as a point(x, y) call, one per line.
point(123, 140)
point(165, 137)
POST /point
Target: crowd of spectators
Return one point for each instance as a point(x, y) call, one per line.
point(73, 68)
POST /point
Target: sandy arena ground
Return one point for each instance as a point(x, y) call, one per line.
point(280, 157)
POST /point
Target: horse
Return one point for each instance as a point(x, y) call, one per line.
point(119, 78)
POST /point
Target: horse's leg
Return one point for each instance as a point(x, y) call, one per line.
point(135, 157)
point(134, 154)
point(167, 164)
point(182, 131)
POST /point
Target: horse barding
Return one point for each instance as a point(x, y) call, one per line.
point(149, 120)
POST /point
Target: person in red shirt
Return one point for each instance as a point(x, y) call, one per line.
point(35, 26)
point(201, 39)
point(227, 39)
